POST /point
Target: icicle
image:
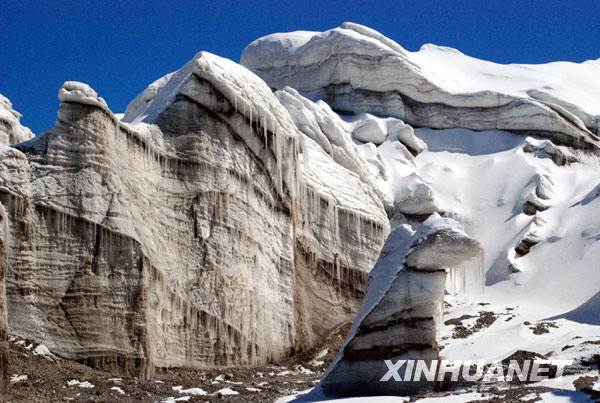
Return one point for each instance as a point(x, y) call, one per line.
point(265, 134)
point(337, 271)
point(317, 199)
point(278, 160)
point(481, 271)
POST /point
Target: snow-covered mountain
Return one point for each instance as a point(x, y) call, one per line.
point(233, 213)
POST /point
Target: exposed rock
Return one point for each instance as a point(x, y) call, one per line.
point(523, 248)
point(547, 149)
point(11, 130)
point(356, 69)
point(222, 222)
point(402, 310)
point(484, 320)
point(533, 205)
point(194, 232)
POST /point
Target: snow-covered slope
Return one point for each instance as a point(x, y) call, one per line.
point(540, 262)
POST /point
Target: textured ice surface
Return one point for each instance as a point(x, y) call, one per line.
point(356, 69)
point(11, 130)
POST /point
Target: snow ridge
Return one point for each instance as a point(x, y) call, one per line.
point(356, 69)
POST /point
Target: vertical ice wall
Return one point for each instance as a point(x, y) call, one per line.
point(188, 231)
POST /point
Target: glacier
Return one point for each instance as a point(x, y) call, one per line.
point(355, 69)
point(236, 213)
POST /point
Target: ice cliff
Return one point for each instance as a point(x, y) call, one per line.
point(356, 69)
point(232, 216)
point(196, 229)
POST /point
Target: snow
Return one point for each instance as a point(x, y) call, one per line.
point(43, 351)
point(570, 82)
point(84, 384)
point(359, 70)
point(285, 373)
point(257, 110)
point(190, 391)
point(11, 117)
point(295, 394)
point(305, 371)
point(118, 390)
point(179, 399)
point(350, 193)
point(74, 91)
point(588, 312)
point(447, 68)
point(321, 354)
point(226, 392)
point(18, 378)
point(482, 180)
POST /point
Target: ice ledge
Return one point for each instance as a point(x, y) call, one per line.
point(12, 132)
point(81, 93)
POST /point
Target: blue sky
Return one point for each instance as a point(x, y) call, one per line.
point(119, 47)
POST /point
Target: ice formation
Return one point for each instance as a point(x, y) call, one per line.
point(399, 318)
point(11, 130)
point(219, 223)
point(81, 93)
point(356, 69)
point(5, 244)
point(183, 226)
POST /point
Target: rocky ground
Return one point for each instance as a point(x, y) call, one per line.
point(39, 377)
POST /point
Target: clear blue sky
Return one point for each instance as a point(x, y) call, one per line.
point(119, 47)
